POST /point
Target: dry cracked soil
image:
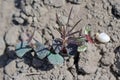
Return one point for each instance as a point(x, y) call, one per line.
point(99, 62)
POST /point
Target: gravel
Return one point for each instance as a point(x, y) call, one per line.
point(12, 36)
point(2, 46)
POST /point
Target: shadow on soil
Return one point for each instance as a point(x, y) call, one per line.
point(10, 56)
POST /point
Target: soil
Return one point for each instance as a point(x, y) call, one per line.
point(101, 61)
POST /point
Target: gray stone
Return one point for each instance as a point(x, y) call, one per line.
point(116, 66)
point(19, 20)
point(116, 10)
point(55, 33)
point(2, 46)
point(38, 36)
point(6, 77)
point(17, 13)
point(103, 48)
point(21, 77)
point(108, 59)
point(10, 68)
point(103, 74)
point(27, 10)
point(1, 73)
point(89, 16)
point(55, 3)
point(89, 61)
point(62, 21)
point(68, 75)
point(41, 10)
point(21, 64)
point(28, 2)
point(70, 63)
point(30, 19)
point(75, 1)
point(114, 38)
point(73, 72)
point(23, 15)
point(12, 35)
point(80, 77)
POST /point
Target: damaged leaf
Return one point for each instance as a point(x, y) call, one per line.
point(41, 50)
point(22, 48)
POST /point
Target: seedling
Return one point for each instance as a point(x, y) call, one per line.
point(68, 44)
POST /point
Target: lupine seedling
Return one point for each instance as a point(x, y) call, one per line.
point(68, 44)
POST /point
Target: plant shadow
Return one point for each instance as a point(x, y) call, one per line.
point(10, 55)
point(76, 62)
point(117, 49)
point(17, 3)
point(34, 61)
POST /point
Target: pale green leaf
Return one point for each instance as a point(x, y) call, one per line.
point(55, 59)
point(82, 48)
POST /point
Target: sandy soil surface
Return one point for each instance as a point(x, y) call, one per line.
point(99, 62)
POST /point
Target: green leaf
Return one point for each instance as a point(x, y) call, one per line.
point(41, 50)
point(55, 59)
point(22, 48)
point(82, 48)
point(87, 30)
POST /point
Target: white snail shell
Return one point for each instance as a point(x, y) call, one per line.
point(102, 37)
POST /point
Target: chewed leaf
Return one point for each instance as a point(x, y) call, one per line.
point(87, 30)
point(57, 45)
point(22, 48)
point(41, 50)
point(71, 49)
point(82, 48)
point(55, 59)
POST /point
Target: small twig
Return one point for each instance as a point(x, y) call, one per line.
point(69, 16)
point(25, 74)
point(73, 33)
point(74, 26)
point(29, 74)
point(32, 35)
point(63, 32)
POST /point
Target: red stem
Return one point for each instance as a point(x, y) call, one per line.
point(89, 38)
